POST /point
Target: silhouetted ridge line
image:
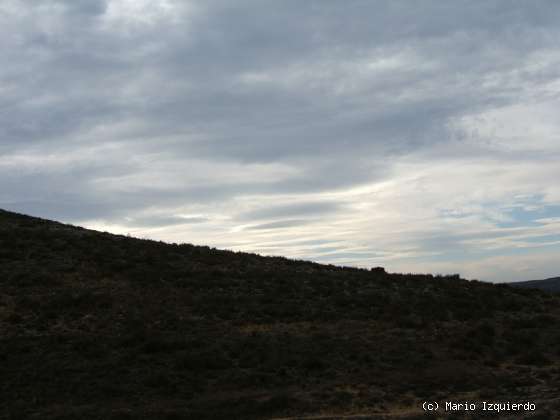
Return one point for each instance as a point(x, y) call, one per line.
point(95, 325)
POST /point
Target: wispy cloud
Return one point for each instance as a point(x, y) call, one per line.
point(421, 137)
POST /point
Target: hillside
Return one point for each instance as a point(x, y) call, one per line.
point(99, 326)
point(549, 285)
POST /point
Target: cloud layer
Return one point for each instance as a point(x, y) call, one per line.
point(419, 136)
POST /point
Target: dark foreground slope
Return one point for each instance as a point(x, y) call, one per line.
point(98, 326)
point(549, 285)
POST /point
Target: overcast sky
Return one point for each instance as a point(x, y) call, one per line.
point(423, 136)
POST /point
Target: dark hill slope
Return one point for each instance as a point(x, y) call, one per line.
point(98, 326)
point(550, 285)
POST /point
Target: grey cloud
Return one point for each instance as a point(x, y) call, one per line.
point(76, 7)
point(159, 221)
point(335, 92)
point(288, 210)
point(279, 224)
point(96, 77)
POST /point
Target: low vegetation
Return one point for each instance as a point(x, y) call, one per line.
point(100, 326)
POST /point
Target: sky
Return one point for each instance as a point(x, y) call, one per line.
point(422, 136)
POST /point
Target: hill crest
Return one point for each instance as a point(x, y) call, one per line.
point(94, 325)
